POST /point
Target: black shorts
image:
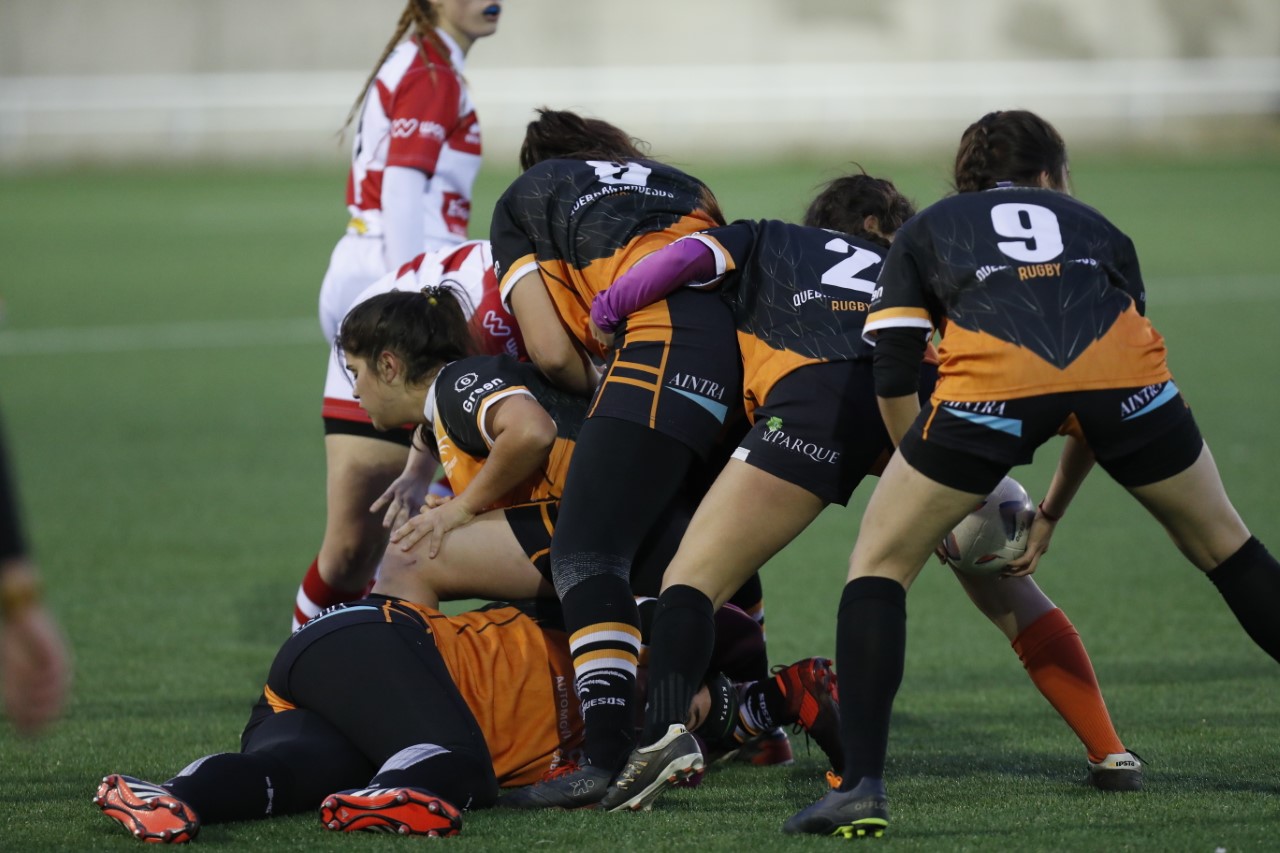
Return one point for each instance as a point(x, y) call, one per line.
point(402, 435)
point(685, 385)
point(384, 668)
point(1139, 435)
point(819, 428)
point(533, 524)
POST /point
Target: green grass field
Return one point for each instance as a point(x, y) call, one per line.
point(162, 369)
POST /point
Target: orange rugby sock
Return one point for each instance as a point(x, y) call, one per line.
point(1054, 656)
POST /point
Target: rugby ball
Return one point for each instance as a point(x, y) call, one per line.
point(996, 532)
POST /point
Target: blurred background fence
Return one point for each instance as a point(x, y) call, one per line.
point(163, 80)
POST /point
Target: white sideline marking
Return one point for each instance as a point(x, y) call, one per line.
point(162, 336)
point(299, 331)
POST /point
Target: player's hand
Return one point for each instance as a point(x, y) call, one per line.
point(433, 500)
point(605, 339)
point(36, 667)
point(432, 525)
point(1037, 546)
point(401, 499)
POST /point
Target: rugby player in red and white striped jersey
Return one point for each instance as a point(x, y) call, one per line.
point(371, 473)
point(415, 156)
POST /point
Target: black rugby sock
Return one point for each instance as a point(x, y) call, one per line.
point(231, 786)
point(1249, 581)
point(871, 643)
point(679, 653)
point(605, 661)
point(465, 780)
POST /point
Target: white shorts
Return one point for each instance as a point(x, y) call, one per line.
point(339, 402)
point(470, 273)
point(356, 263)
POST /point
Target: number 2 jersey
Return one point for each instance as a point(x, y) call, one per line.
point(799, 295)
point(582, 223)
point(1033, 291)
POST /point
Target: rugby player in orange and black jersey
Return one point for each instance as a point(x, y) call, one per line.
point(1031, 305)
point(458, 402)
point(1038, 298)
point(802, 290)
point(583, 223)
point(588, 206)
point(457, 407)
point(805, 290)
point(799, 297)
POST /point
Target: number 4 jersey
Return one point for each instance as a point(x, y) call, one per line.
point(1033, 292)
point(582, 223)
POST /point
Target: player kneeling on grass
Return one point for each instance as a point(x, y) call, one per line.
point(391, 716)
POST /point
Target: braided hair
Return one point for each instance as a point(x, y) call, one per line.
point(420, 16)
point(1010, 145)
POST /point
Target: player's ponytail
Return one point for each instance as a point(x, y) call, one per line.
point(426, 329)
point(1016, 146)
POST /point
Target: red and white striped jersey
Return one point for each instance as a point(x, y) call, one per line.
point(468, 270)
point(417, 114)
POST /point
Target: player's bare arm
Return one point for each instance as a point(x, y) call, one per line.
point(523, 435)
point(550, 346)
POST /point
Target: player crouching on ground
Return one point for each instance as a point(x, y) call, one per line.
point(433, 714)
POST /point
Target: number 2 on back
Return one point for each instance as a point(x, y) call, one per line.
point(845, 273)
point(1034, 230)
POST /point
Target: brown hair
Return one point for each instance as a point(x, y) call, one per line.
point(844, 204)
point(1010, 145)
point(564, 135)
point(426, 330)
point(422, 17)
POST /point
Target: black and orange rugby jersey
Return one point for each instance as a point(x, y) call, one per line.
point(583, 223)
point(517, 679)
point(799, 295)
point(459, 403)
point(1033, 291)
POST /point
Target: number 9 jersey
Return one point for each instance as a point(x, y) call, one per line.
point(1033, 291)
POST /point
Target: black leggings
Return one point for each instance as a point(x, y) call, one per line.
point(621, 482)
point(365, 690)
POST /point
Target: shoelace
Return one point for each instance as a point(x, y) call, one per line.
point(563, 770)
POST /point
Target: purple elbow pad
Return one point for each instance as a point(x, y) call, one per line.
point(652, 278)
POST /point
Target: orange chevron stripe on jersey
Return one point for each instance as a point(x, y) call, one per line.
point(762, 367)
point(572, 290)
point(974, 366)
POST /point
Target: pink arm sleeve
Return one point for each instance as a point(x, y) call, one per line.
point(651, 279)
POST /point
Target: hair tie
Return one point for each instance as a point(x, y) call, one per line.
point(430, 292)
